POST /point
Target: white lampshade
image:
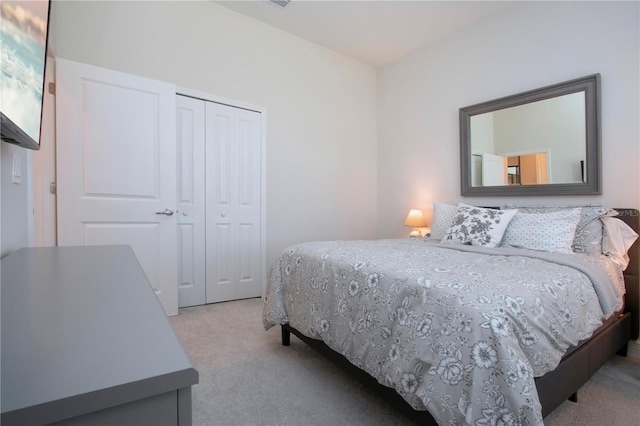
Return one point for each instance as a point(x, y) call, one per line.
point(415, 219)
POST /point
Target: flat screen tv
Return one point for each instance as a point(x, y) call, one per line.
point(23, 54)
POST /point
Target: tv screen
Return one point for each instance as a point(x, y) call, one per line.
point(23, 53)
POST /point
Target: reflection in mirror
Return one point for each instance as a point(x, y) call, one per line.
point(541, 142)
point(544, 141)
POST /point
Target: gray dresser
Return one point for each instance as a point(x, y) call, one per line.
point(85, 341)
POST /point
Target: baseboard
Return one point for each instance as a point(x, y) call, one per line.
point(633, 349)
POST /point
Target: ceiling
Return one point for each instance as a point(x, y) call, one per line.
point(375, 32)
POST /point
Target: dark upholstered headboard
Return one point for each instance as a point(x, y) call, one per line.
point(632, 274)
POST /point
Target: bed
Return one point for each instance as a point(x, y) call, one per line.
point(465, 333)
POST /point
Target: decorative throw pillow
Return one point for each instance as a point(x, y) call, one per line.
point(478, 226)
point(618, 239)
point(552, 231)
point(589, 231)
point(443, 215)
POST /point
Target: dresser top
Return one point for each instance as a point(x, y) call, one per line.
point(80, 321)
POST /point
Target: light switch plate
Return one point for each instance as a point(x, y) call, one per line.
point(16, 175)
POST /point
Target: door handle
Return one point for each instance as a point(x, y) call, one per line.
point(167, 212)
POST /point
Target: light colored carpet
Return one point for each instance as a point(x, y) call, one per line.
point(248, 378)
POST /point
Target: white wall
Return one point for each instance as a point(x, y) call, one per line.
point(526, 47)
point(15, 218)
point(321, 107)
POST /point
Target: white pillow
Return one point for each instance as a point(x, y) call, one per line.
point(618, 239)
point(552, 231)
point(443, 215)
point(589, 231)
point(478, 226)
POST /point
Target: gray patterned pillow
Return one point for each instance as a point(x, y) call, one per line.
point(589, 231)
point(443, 215)
point(550, 231)
point(478, 226)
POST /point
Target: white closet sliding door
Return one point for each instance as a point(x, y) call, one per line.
point(219, 190)
point(233, 203)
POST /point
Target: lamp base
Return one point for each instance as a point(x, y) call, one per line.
point(415, 233)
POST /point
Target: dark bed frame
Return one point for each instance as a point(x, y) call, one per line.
point(558, 385)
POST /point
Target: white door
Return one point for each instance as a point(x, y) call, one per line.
point(190, 130)
point(233, 203)
point(494, 170)
point(116, 167)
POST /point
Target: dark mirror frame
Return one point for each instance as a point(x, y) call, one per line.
point(593, 185)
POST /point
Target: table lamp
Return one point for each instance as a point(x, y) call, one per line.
point(415, 220)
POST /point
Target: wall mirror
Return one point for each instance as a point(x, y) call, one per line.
point(541, 142)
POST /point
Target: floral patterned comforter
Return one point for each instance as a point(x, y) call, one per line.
point(460, 331)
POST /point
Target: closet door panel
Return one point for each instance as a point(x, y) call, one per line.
point(221, 160)
point(190, 134)
point(233, 158)
point(249, 172)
